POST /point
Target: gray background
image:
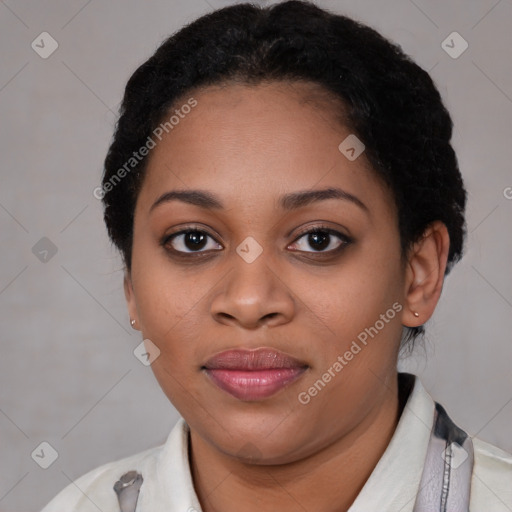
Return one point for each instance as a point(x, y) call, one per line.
point(68, 374)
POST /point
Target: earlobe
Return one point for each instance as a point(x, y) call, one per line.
point(426, 266)
point(130, 299)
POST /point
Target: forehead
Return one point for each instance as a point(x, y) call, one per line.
point(254, 142)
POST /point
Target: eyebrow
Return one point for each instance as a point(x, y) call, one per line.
point(291, 201)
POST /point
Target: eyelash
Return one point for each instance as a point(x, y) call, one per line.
point(345, 241)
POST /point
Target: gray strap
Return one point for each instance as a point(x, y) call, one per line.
point(446, 480)
point(127, 489)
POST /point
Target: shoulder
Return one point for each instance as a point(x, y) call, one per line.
point(491, 484)
point(95, 489)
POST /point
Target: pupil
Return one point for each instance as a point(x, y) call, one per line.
point(196, 238)
point(319, 244)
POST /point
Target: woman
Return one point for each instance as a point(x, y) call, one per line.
point(283, 192)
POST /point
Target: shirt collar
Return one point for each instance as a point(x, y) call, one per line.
point(393, 484)
point(395, 480)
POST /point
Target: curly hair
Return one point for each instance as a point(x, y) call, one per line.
point(389, 102)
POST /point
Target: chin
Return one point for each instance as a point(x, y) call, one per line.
point(267, 440)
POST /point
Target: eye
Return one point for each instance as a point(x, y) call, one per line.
point(190, 241)
point(321, 240)
point(193, 240)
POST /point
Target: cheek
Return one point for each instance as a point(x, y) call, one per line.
point(352, 296)
point(168, 306)
point(166, 295)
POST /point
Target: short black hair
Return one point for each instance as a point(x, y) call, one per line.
point(392, 105)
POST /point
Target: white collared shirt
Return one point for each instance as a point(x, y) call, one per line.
point(392, 486)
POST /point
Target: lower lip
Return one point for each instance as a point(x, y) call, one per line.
point(254, 384)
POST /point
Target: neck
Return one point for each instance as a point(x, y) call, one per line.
point(328, 480)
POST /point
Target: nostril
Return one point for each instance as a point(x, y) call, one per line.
point(227, 315)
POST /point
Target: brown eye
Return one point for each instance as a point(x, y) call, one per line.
point(190, 241)
point(321, 240)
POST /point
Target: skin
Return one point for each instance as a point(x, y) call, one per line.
point(249, 145)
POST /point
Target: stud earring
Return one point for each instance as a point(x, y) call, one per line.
point(416, 314)
point(132, 322)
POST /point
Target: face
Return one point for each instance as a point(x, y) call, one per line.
point(239, 268)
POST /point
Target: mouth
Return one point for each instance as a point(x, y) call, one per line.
point(252, 375)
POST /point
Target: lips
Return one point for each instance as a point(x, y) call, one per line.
point(252, 375)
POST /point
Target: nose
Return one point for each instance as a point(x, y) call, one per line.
point(253, 295)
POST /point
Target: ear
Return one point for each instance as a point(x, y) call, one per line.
point(426, 264)
point(130, 298)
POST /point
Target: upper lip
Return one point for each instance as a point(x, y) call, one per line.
point(256, 359)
